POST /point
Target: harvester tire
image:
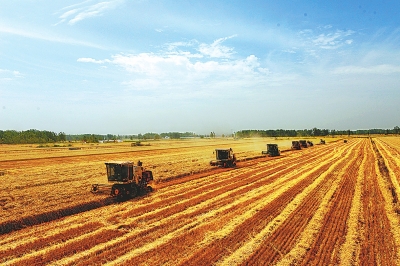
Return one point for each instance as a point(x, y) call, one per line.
point(133, 191)
point(119, 192)
point(115, 190)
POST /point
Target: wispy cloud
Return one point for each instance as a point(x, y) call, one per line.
point(333, 40)
point(213, 57)
point(91, 60)
point(182, 48)
point(40, 35)
point(216, 49)
point(322, 46)
point(383, 69)
point(324, 38)
point(87, 9)
point(176, 70)
point(6, 74)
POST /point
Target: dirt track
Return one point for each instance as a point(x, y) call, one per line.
point(329, 204)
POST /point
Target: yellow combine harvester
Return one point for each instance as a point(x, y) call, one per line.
point(128, 180)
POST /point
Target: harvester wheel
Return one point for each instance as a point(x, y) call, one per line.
point(133, 191)
point(149, 189)
point(114, 190)
point(118, 191)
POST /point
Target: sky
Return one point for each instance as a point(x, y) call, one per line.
point(139, 66)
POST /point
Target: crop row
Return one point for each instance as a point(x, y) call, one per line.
point(167, 198)
point(330, 204)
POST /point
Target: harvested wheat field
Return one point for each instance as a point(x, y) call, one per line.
point(333, 204)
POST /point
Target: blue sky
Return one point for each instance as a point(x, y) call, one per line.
point(129, 67)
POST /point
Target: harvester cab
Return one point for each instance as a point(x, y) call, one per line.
point(127, 179)
point(224, 157)
point(272, 150)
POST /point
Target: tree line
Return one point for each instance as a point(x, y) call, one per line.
point(43, 136)
point(30, 136)
point(314, 132)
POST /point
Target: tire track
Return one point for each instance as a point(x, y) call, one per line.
point(324, 250)
point(350, 250)
point(381, 239)
point(283, 238)
point(189, 194)
point(221, 247)
point(270, 205)
point(238, 182)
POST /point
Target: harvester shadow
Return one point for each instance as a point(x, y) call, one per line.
point(36, 219)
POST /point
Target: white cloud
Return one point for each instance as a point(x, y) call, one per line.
point(16, 74)
point(6, 74)
point(323, 38)
point(91, 60)
point(151, 64)
point(177, 73)
point(167, 65)
point(84, 10)
point(216, 49)
point(182, 77)
point(174, 48)
point(65, 15)
point(332, 40)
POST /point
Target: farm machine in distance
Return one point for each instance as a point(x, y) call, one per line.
point(296, 145)
point(272, 150)
point(127, 179)
point(303, 143)
point(224, 158)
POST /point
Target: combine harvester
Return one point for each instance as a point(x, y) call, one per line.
point(296, 145)
point(126, 180)
point(272, 150)
point(224, 158)
point(303, 143)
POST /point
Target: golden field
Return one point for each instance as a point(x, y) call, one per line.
point(323, 205)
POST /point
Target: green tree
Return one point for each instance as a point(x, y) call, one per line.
point(316, 132)
point(62, 136)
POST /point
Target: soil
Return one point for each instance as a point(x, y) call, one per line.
point(332, 204)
